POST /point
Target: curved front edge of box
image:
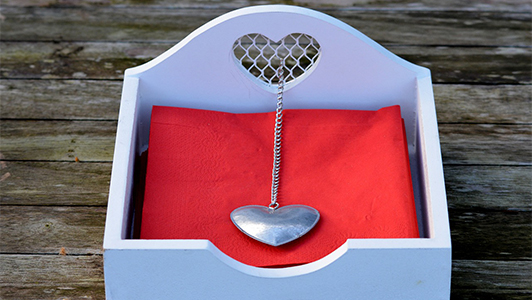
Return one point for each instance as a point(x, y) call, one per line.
point(369, 269)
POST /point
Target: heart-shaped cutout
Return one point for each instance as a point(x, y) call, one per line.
point(260, 57)
point(275, 227)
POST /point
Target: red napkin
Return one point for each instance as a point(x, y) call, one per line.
point(352, 166)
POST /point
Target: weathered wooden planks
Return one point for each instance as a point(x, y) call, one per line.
point(479, 51)
point(94, 141)
point(496, 104)
point(156, 23)
point(54, 183)
point(483, 234)
point(73, 60)
point(488, 188)
point(100, 100)
point(51, 277)
point(502, 5)
point(487, 279)
point(47, 229)
point(58, 140)
point(498, 188)
point(106, 60)
point(60, 99)
point(79, 230)
point(471, 65)
point(477, 224)
point(488, 144)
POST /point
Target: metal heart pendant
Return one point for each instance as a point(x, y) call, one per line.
point(275, 227)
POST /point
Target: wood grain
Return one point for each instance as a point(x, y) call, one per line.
point(507, 5)
point(472, 65)
point(487, 279)
point(100, 100)
point(494, 188)
point(94, 141)
point(489, 104)
point(498, 188)
point(46, 229)
point(106, 60)
point(51, 277)
point(487, 144)
point(54, 183)
point(491, 235)
point(157, 23)
point(79, 60)
point(60, 87)
point(58, 140)
point(60, 99)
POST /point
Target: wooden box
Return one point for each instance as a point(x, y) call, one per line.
point(354, 72)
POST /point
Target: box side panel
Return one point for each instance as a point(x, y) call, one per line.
point(430, 167)
point(358, 274)
point(119, 207)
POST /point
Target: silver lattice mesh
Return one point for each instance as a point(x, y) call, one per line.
point(261, 56)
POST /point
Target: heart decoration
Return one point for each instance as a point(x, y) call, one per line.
point(275, 227)
point(281, 63)
point(260, 57)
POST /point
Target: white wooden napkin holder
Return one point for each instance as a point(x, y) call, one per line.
point(353, 72)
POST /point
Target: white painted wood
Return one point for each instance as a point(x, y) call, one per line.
point(118, 207)
point(353, 72)
point(360, 273)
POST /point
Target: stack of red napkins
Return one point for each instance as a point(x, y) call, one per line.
point(352, 166)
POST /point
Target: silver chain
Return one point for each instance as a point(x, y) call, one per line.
point(277, 140)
